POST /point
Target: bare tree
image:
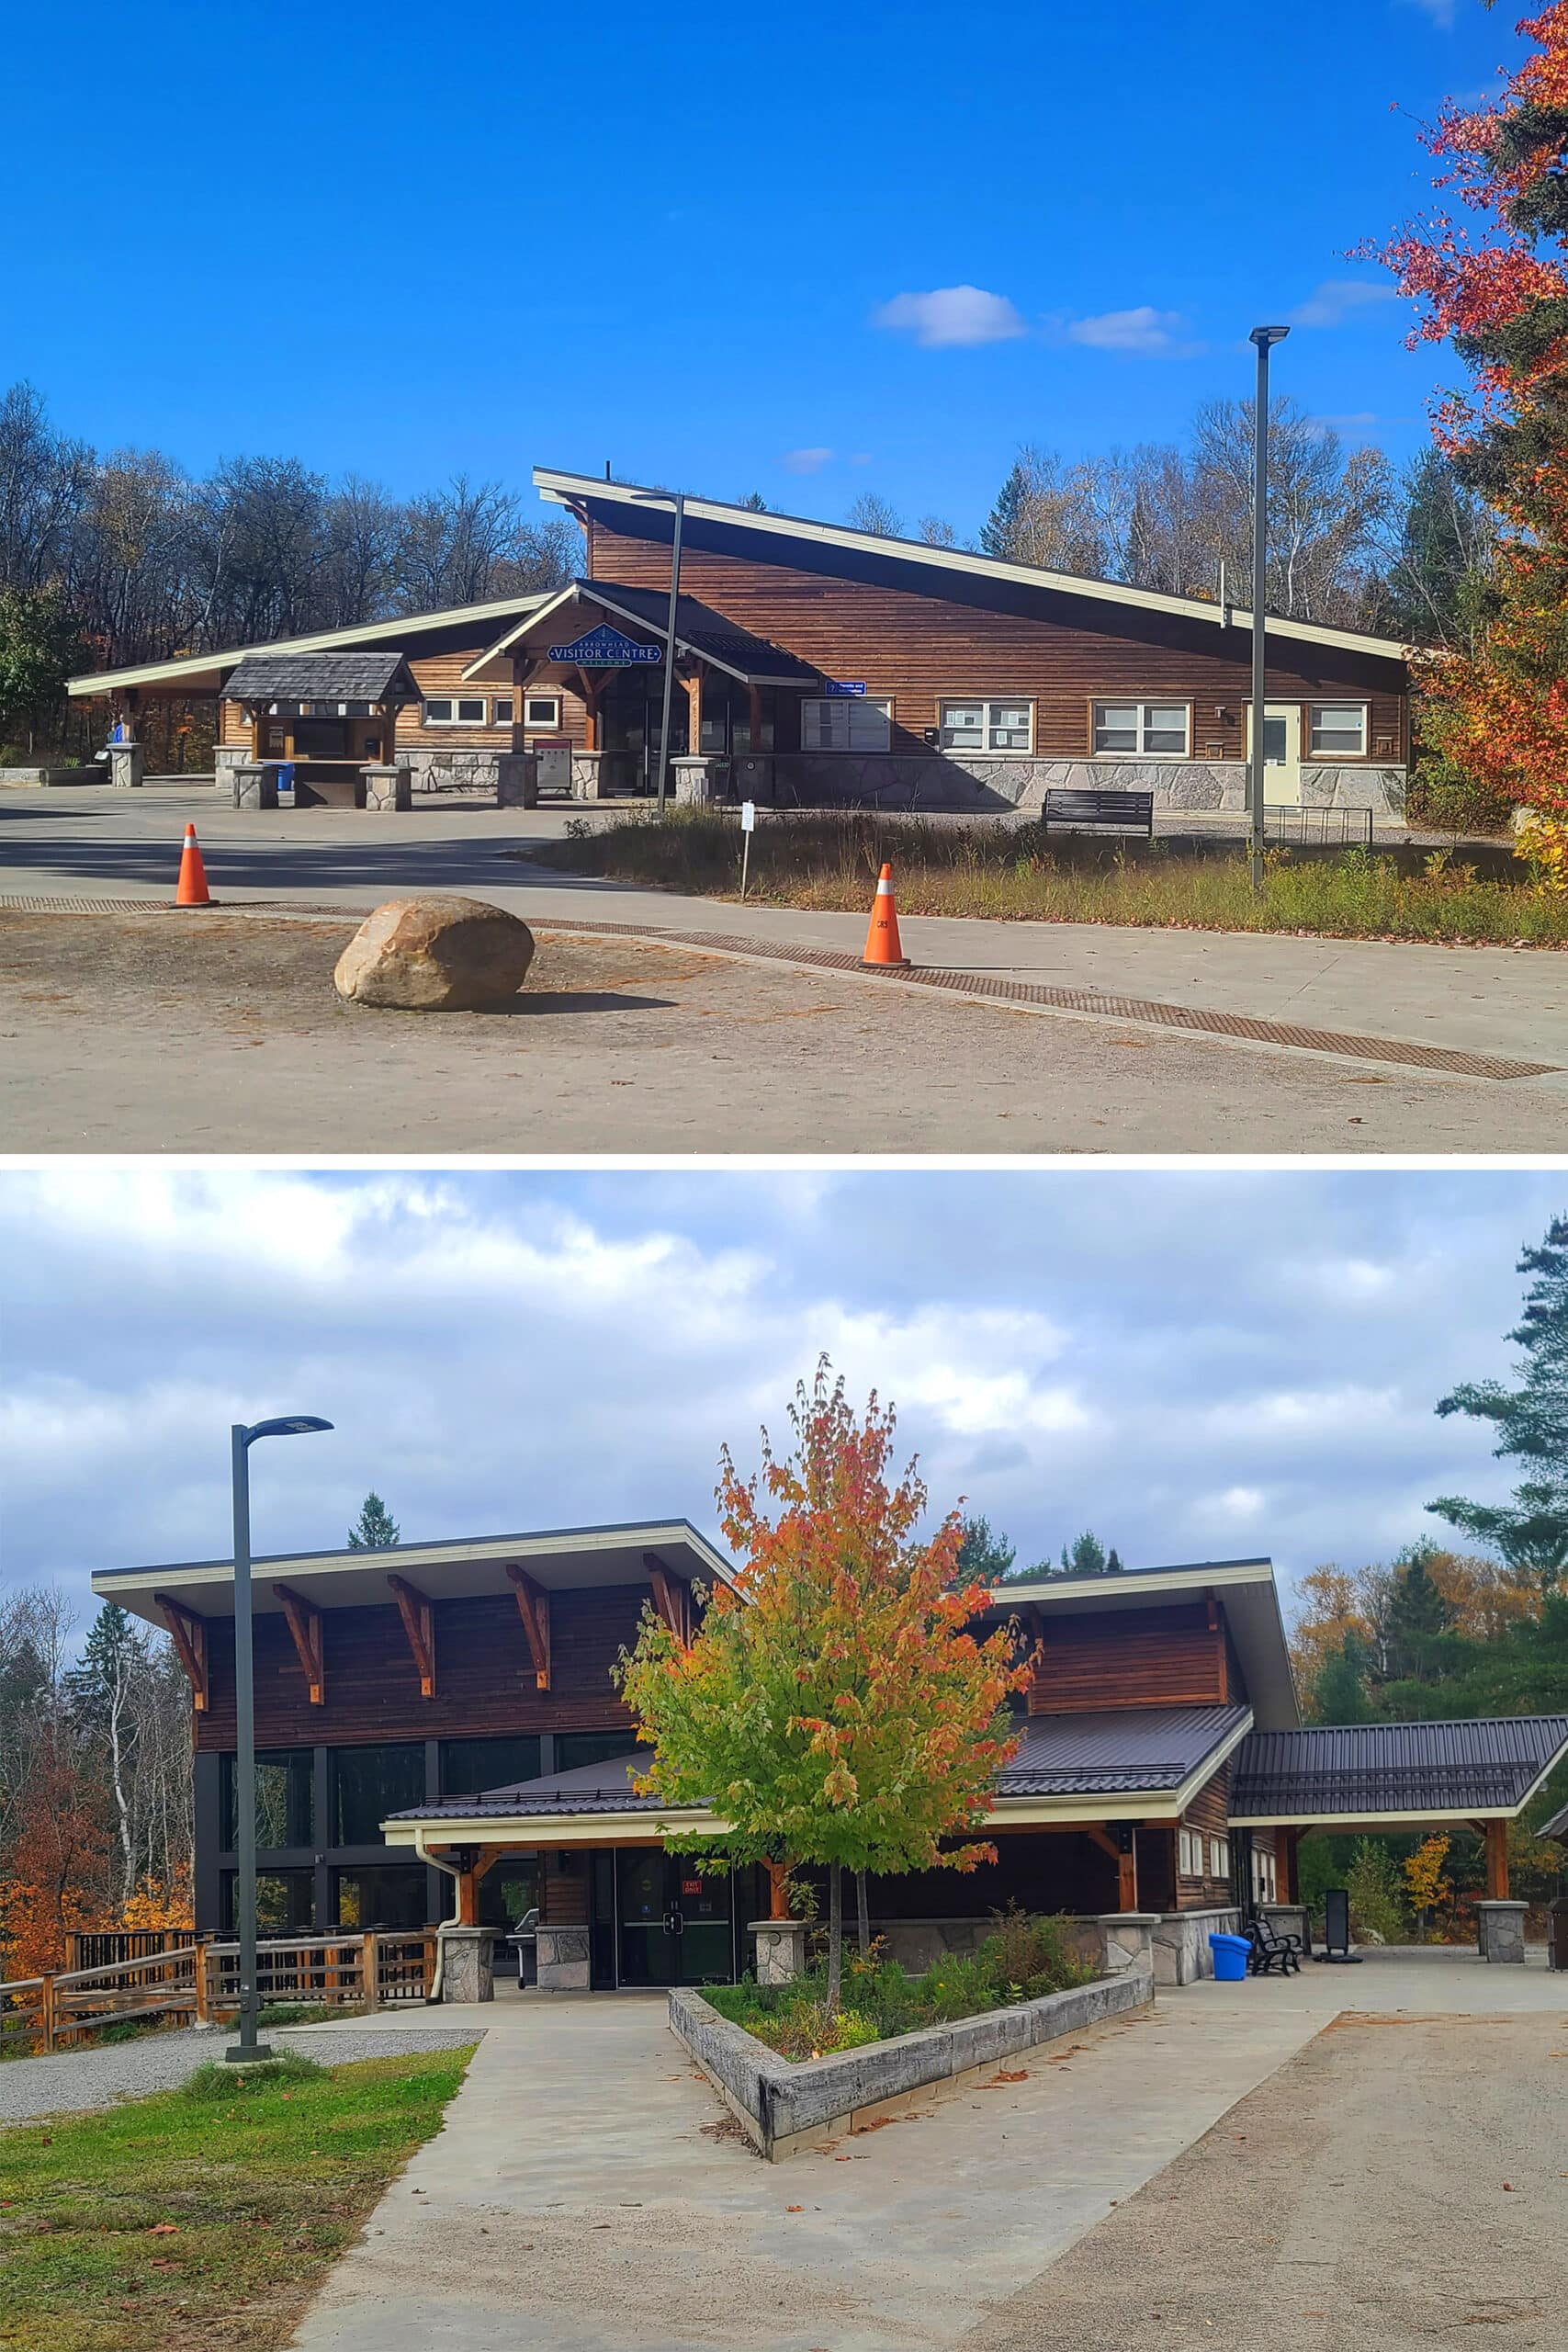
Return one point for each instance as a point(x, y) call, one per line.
point(878, 515)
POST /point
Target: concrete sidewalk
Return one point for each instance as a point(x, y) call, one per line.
point(588, 2194)
point(94, 842)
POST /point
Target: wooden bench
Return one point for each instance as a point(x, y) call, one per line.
point(1120, 812)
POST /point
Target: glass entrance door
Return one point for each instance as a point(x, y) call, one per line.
point(675, 1924)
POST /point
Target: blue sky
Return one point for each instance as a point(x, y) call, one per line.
point(1198, 1364)
point(413, 244)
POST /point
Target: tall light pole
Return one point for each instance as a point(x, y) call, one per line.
point(1265, 338)
point(670, 654)
point(247, 2051)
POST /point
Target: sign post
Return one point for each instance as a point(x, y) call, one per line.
point(747, 827)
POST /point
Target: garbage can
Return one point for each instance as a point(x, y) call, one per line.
point(1230, 1957)
point(285, 784)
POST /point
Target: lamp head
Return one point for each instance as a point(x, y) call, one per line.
point(287, 1424)
point(1265, 337)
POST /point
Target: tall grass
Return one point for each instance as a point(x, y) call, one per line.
point(1020, 874)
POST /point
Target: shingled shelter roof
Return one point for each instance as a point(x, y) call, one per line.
point(1386, 1771)
point(350, 676)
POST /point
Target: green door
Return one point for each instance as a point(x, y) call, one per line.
point(676, 1926)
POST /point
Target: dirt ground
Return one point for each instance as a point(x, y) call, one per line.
point(221, 1032)
point(1402, 2183)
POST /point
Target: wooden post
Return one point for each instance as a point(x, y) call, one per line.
point(468, 1900)
point(694, 686)
point(778, 1880)
point(1127, 1875)
point(370, 1958)
point(46, 2012)
point(203, 1990)
point(1497, 1862)
point(754, 718)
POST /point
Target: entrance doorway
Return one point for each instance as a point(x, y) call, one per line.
point(1281, 754)
point(676, 1927)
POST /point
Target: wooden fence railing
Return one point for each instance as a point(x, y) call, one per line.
point(97, 1947)
point(198, 1983)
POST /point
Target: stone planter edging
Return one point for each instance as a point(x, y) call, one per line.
point(782, 2106)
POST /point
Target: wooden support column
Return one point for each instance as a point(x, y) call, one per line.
point(1121, 1843)
point(754, 717)
point(305, 1624)
point(1496, 1835)
point(418, 1615)
point(778, 1880)
point(189, 1633)
point(534, 1608)
point(692, 683)
point(672, 1598)
point(1285, 1843)
point(591, 690)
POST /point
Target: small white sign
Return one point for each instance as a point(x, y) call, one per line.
point(748, 816)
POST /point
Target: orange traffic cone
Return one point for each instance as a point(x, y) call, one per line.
point(882, 947)
point(192, 891)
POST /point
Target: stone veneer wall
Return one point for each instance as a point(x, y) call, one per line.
point(1181, 1943)
point(949, 780)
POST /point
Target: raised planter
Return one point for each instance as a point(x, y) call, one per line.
point(785, 2107)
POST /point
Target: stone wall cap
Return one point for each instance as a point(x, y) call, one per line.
point(1129, 1919)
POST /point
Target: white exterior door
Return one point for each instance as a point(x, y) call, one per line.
point(1282, 754)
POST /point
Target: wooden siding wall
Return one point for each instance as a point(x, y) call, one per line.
point(484, 1674)
point(919, 649)
point(1209, 1812)
point(1131, 1657)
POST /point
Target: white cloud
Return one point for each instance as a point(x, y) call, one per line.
point(1338, 298)
point(805, 461)
point(1145, 332)
point(950, 315)
point(1440, 11)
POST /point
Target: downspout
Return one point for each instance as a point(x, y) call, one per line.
point(454, 1872)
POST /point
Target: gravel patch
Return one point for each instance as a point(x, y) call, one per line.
point(75, 2079)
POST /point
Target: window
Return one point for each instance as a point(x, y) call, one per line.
point(575, 1747)
point(370, 1782)
point(500, 710)
point(1192, 1854)
point(1338, 731)
point(542, 711)
point(286, 1901)
point(454, 710)
point(1007, 725)
point(470, 1766)
point(1219, 1858)
point(286, 1811)
point(384, 1895)
point(1151, 728)
point(845, 723)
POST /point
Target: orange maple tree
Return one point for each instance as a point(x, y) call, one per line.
point(833, 1708)
point(57, 1867)
point(1497, 290)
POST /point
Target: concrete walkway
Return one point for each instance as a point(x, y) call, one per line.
point(94, 842)
point(587, 2193)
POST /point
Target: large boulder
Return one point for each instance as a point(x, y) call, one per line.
point(435, 955)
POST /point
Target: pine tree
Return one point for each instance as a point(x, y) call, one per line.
point(1531, 1422)
point(755, 502)
point(984, 1558)
point(375, 1530)
point(999, 531)
point(1418, 1618)
point(1339, 1692)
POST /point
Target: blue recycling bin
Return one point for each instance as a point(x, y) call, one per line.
point(284, 774)
point(1230, 1958)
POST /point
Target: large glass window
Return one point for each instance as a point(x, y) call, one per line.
point(370, 1782)
point(470, 1766)
point(845, 723)
point(285, 1812)
point(575, 1747)
point(391, 1895)
point(1145, 727)
point(1005, 726)
point(286, 1901)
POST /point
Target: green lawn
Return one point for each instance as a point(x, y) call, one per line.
point(1020, 874)
point(203, 2218)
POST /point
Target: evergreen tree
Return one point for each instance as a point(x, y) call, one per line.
point(1418, 1618)
point(375, 1530)
point(999, 531)
point(1438, 586)
point(755, 502)
point(984, 1557)
point(1339, 1693)
point(1086, 1555)
point(1531, 1422)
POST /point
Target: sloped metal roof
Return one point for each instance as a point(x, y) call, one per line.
point(323, 677)
point(1489, 1765)
point(1115, 1751)
point(587, 1788)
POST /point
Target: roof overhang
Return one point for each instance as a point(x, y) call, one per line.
point(578, 490)
point(1252, 1611)
point(587, 592)
point(565, 1560)
point(1393, 1815)
point(204, 673)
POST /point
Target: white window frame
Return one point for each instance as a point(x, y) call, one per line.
point(1219, 1858)
point(1191, 1861)
point(848, 706)
point(987, 705)
point(1141, 704)
point(452, 701)
point(550, 726)
point(1332, 702)
point(500, 701)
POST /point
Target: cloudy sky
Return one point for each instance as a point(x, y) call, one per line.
point(1197, 1364)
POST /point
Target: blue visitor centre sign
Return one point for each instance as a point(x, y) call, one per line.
point(605, 648)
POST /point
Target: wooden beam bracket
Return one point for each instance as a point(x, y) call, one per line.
point(672, 1598)
point(305, 1624)
point(189, 1633)
point(534, 1608)
point(418, 1613)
